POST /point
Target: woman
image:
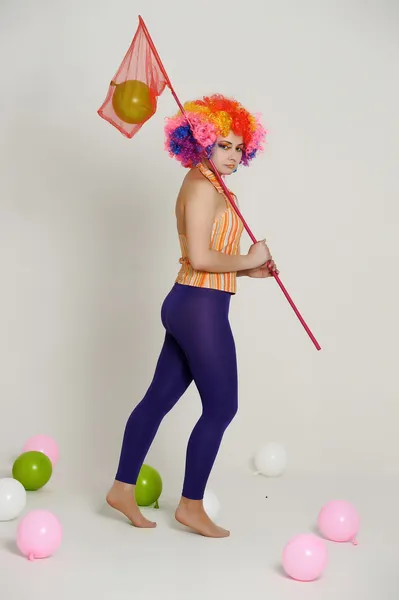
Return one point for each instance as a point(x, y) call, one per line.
point(199, 344)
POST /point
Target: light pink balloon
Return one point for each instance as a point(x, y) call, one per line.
point(39, 534)
point(305, 557)
point(339, 521)
point(45, 444)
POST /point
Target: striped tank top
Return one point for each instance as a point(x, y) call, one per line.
point(225, 237)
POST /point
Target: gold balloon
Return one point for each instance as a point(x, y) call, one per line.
point(133, 101)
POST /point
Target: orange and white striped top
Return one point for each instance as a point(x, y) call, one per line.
point(225, 237)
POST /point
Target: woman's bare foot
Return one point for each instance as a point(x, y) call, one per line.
point(121, 497)
point(191, 513)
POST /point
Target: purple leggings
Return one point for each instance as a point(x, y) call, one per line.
point(199, 346)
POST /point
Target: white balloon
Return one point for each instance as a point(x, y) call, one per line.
point(12, 498)
point(271, 459)
point(211, 504)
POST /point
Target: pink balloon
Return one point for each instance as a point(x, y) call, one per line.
point(45, 444)
point(39, 534)
point(339, 521)
point(305, 557)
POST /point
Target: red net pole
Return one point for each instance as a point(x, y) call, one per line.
point(226, 191)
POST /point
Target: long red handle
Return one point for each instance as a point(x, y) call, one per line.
point(231, 200)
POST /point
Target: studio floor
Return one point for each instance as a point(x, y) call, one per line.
point(101, 556)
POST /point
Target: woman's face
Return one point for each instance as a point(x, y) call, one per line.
point(227, 153)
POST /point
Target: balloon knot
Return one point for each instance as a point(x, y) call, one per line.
point(31, 557)
point(354, 542)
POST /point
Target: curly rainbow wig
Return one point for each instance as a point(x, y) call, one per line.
point(210, 117)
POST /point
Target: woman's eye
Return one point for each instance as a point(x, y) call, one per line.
point(224, 147)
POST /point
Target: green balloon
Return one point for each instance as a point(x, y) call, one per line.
point(148, 486)
point(32, 469)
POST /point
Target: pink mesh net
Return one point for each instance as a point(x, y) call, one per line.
point(137, 84)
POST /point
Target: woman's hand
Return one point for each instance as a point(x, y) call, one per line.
point(258, 255)
point(264, 271)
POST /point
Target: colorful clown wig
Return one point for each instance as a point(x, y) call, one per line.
point(209, 118)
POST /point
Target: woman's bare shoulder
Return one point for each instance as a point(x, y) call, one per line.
point(196, 185)
point(196, 195)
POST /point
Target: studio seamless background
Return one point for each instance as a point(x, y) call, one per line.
point(89, 247)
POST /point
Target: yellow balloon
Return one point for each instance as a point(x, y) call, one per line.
point(133, 101)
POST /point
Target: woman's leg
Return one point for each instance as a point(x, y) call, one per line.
point(214, 368)
point(171, 379)
point(203, 331)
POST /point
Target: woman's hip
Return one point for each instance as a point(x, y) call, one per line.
point(189, 305)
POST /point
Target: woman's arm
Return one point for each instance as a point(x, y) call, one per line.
point(199, 218)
